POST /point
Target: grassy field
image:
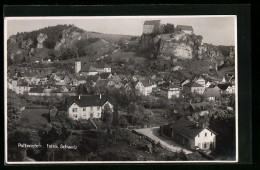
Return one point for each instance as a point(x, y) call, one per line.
point(35, 118)
point(127, 56)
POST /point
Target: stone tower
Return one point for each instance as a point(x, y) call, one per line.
point(77, 66)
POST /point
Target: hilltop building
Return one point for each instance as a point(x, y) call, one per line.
point(185, 28)
point(151, 26)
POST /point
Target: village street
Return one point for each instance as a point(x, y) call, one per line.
point(153, 133)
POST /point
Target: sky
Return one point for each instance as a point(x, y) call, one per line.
point(217, 30)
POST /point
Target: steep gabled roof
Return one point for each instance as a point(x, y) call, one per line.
point(92, 78)
point(223, 86)
point(187, 128)
point(185, 27)
point(193, 84)
point(145, 83)
point(88, 68)
point(152, 22)
point(89, 100)
point(104, 75)
point(36, 90)
point(102, 65)
point(212, 92)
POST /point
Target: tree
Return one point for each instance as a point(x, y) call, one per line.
point(13, 109)
point(107, 116)
point(21, 136)
point(115, 120)
point(54, 134)
point(168, 28)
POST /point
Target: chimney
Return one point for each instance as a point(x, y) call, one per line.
point(79, 96)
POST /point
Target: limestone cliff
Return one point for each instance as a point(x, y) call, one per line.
point(180, 45)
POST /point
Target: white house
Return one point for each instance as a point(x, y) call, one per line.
point(200, 80)
point(143, 87)
point(171, 91)
point(87, 106)
point(194, 87)
point(191, 134)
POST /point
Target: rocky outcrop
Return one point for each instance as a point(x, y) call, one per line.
point(69, 36)
point(170, 49)
point(41, 38)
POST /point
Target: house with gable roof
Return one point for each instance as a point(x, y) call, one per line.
point(143, 87)
point(170, 91)
point(191, 134)
point(212, 93)
point(194, 87)
point(88, 70)
point(200, 80)
point(88, 106)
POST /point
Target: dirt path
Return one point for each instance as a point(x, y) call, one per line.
point(169, 144)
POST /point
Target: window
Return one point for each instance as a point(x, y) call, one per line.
point(205, 145)
point(205, 134)
point(84, 109)
point(98, 108)
point(84, 115)
point(75, 115)
point(91, 108)
point(198, 135)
